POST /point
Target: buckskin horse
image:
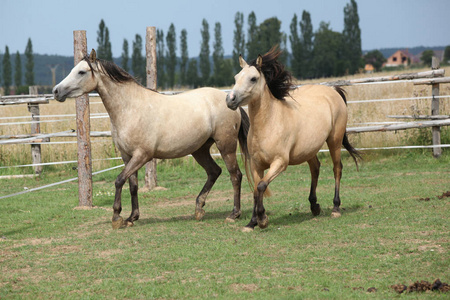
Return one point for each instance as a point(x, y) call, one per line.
point(288, 127)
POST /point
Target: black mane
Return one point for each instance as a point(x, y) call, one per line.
point(116, 73)
point(278, 79)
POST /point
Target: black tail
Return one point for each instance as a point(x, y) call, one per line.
point(355, 154)
point(242, 136)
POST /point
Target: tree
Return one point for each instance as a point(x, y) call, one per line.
point(375, 58)
point(18, 72)
point(138, 61)
point(218, 61)
point(252, 41)
point(125, 55)
point(192, 74)
point(352, 38)
point(160, 59)
point(29, 65)
point(296, 48)
point(307, 45)
point(7, 72)
point(269, 35)
point(427, 57)
point(104, 45)
point(184, 57)
point(446, 55)
point(171, 55)
point(327, 52)
point(205, 66)
point(238, 40)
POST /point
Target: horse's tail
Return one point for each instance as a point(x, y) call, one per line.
point(242, 136)
point(355, 154)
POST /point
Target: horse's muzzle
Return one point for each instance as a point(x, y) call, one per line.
point(231, 101)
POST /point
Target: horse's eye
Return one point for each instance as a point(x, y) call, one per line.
point(81, 73)
point(253, 79)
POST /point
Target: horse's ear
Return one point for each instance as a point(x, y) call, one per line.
point(259, 61)
point(242, 62)
point(93, 56)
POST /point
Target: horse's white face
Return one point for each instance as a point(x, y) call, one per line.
point(249, 85)
point(80, 80)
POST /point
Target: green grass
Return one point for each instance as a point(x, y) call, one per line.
point(386, 235)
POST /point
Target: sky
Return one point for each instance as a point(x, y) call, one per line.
point(50, 23)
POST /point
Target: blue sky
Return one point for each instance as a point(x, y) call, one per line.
point(50, 23)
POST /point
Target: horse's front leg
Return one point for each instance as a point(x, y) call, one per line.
point(134, 216)
point(131, 168)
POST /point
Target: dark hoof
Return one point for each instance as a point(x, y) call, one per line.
point(199, 214)
point(117, 222)
point(233, 216)
point(315, 209)
point(264, 222)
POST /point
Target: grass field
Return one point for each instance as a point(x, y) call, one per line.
point(394, 229)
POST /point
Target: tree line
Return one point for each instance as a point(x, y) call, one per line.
point(320, 53)
point(6, 74)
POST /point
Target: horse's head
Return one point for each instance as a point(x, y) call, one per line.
point(80, 80)
point(249, 84)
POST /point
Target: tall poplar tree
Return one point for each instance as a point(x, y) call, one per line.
point(270, 35)
point(352, 38)
point(138, 61)
point(29, 64)
point(218, 61)
point(307, 45)
point(171, 55)
point(18, 72)
point(192, 74)
point(238, 40)
point(160, 59)
point(184, 57)
point(7, 72)
point(205, 65)
point(296, 49)
point(125, 55)
point(104, 45)
point(252, 40)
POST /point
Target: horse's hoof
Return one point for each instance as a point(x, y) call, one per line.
point(117, 222)
point(264, 222)
point(247, 229)
point(199, 214)
point(316, 210)
point(229, 220)
point(128, 223)
point(335, 214)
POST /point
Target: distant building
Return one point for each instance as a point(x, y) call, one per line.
point(399, 58)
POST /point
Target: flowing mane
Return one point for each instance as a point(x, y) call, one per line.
point(278, 79)
point(113, 71)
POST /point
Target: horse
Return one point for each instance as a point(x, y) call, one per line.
point(146, 125)
point(288, 126)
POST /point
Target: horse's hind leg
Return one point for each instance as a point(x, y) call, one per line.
point(203, 157)
point(314, 167)
point(229, 156)
point(335, 153)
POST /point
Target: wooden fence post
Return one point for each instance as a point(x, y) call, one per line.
point(150, 50)
point(35, 129)
point(436, 130)
point(83, 129)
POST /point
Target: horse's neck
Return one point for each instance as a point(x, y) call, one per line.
point(117, 97)
point(261, 109)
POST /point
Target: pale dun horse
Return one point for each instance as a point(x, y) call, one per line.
point(146, 125)
point(288, 127)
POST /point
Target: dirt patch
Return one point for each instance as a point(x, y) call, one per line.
point(443, 196)
point(422, 286)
